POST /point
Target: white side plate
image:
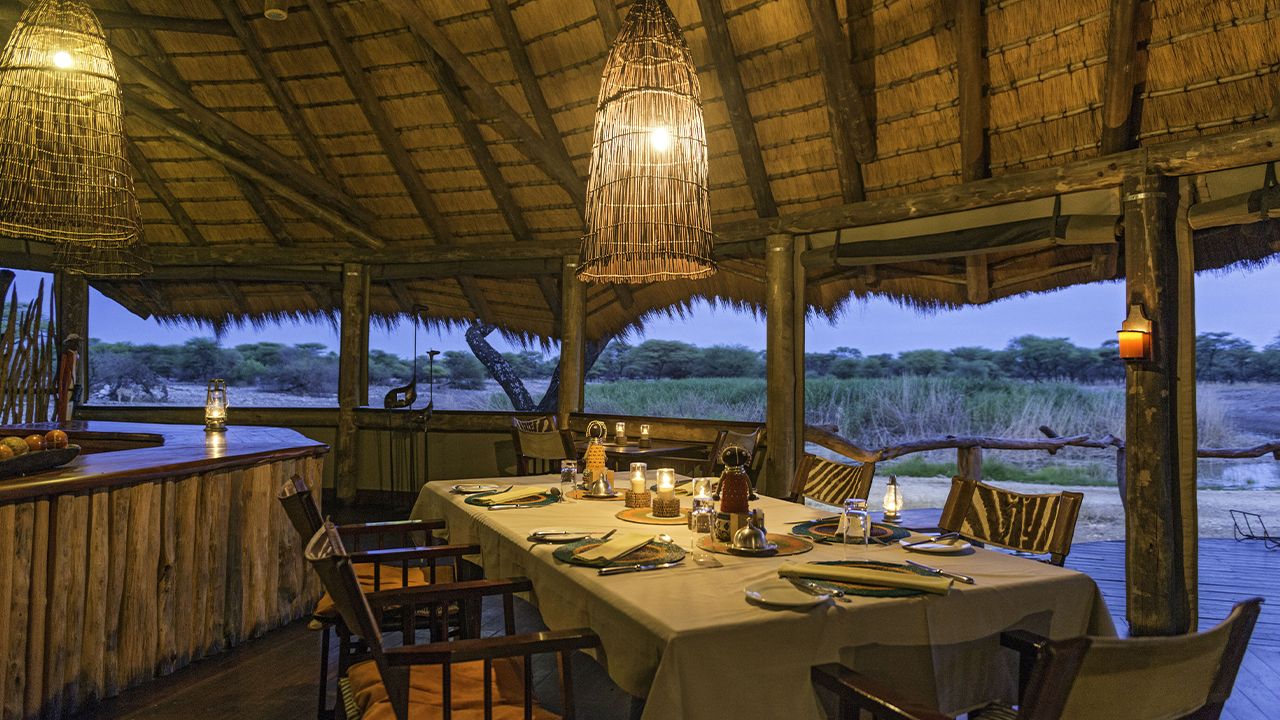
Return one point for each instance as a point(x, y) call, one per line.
point(473, 489)
point(781, 593)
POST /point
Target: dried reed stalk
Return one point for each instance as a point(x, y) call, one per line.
point(648, 208)
point(64, 175)
point(27, 354)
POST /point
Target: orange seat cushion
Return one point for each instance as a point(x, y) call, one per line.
point(426, 691)
point(390, 576)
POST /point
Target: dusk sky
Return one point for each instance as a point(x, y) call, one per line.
point(1240, 302)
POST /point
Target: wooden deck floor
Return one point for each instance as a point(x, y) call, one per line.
point(232, 685)
point(1229, 572)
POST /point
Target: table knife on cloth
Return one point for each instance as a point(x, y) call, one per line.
point(618, 570)
point(944, 573)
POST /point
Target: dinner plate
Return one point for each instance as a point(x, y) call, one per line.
point(472, 489)
point(780, 593)
point(946, 547)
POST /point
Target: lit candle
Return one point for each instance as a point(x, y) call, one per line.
point(666, 483)
point(620, 430)
point(644, 432)
point(1132, 344)
point(638, 477)
point(893, 501)
point(702, 487)
point(215, 406)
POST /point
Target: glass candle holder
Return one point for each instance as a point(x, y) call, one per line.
point(666, 483)
point(620, 433)
point(644, 435)
point(638, 477)
point(702, 487)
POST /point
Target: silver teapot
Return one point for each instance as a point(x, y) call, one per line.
point(598, 484)
point(752, 536)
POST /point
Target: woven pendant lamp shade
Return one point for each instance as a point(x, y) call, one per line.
point(64, 175)
point(648, 208)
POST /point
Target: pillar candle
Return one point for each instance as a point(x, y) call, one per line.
point(666, 483)
point(638, 477)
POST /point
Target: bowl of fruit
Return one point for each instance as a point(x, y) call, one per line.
point(35, 453)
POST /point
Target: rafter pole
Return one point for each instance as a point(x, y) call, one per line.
point(489, 103)
point(528, 78)
point(971, 77)
point(10, 10)
point(978, 279)
point(735, 100)
point(270, 218)
point(610, 20)
point(274, 163)
point(294, 119)
point(166, 197)
point(403, 296)
point(1121, 74)
point(191, 137)
point(850, 126)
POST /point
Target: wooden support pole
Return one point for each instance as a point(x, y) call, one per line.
point(971, 77)
point(978, 278)
point(969, 463)
point(1188, 437)
point(353, 376)
point(1155, 565)
point(784, 363)
point(71, 301)
point(573, 341)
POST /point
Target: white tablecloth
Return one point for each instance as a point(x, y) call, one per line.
point(688, 641)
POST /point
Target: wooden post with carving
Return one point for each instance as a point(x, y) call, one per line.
point(353, 375)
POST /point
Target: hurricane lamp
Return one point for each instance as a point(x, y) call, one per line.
point(215, 406)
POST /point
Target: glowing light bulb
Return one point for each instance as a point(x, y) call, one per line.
point(62, 59)
point(660, 139)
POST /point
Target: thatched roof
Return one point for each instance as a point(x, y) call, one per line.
point(267, 153)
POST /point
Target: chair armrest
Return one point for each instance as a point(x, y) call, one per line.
point(1023, 642)
point(870, 695)
point(444, 592)
point(457, 651)
point(394, 526)
point(428, 552)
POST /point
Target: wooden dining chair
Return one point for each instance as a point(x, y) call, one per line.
point(1147, 678)
point(1037, 524)
point(831, 482)
point(473, 677)
point(540, 423)
point(539, 452)
point(382, 568)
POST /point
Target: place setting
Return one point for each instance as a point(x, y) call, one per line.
point(515, 498)
point(622, 552)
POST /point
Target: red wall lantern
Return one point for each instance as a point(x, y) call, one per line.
point(1135, 336)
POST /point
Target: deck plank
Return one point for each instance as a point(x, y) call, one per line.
point(1229, 572)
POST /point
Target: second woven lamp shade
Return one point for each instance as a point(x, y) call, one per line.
point(648, 207)
point(64, 175)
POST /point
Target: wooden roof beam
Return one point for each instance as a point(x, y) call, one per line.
point(971, 79)
point(488, 102)
point(528, 78)
point(10, 10)
point(387, 133)
point(293, 116)
point(345, 226)
point(270, 160)
point(403, 296)
point(610, 20)
point(1118, 96)
point(270, 218)
point(978, 277)
point(166, 197)
point(735, 99)
point(851, 131)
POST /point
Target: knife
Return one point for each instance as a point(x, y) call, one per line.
point(511, 506)
point(938, 571)
point(637, 568)
point(933, 539)
point(817, 590)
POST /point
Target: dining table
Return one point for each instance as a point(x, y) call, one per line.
point(689, 643)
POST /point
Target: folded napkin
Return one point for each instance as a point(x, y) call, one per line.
point(615, 547)
point(513, 495)
point(867, 576)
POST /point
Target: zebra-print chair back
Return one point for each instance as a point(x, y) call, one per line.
point(539, 423)
point(1039, 524)
point(830, 482)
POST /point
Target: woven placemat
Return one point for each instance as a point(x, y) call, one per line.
point(542, 498)
point(581, 494)
point(871, 590)
point(824, 530)
point(787, 545)
point(645, 516)
point(654, 552)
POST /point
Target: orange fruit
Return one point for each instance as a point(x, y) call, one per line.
point(55, 439)
point(5, 452)
point(35, 443)
point(15, 445)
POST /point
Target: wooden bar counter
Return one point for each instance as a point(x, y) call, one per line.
point(157, 546)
